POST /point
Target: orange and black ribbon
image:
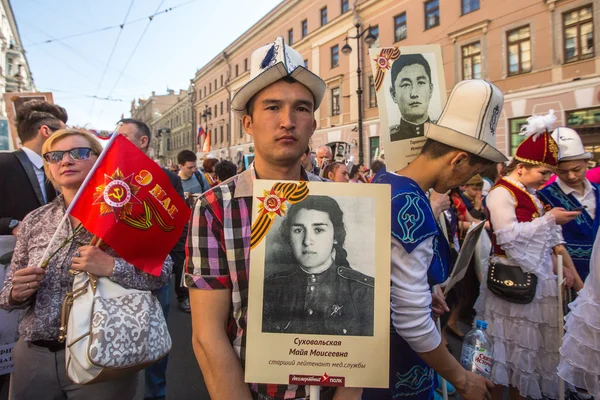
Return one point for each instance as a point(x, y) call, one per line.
point(383, 64)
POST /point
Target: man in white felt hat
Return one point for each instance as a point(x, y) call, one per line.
point(461, 144)
point(572, 190)
point(277, 109)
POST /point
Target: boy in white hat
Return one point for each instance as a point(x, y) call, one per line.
point(573, 190)
point(460, 145)
point(277, 109)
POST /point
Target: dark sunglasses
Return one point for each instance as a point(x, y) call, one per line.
point(77, 154)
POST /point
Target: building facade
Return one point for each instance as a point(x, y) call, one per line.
point(173, 129)
point(541, 53)
point(150, 110)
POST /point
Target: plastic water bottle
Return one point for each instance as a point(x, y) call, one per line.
point(477, 351)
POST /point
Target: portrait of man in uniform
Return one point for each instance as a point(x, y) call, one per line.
point(411, 89)
point(315, 290)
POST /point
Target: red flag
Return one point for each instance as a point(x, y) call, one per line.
point(206, 148)
point(130, 204)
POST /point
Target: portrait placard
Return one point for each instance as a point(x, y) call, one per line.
point(319, 289)
point(411, 92)
point(13, 101)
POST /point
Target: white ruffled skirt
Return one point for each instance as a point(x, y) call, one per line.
point(525, 338)
point(580, 351)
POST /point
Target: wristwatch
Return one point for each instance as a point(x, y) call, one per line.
point(13, 223)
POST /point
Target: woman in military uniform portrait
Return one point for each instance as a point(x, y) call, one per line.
point(315, 290)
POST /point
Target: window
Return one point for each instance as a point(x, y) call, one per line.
point(304, 28)
point(515, 137)
point(345, 6)
point(221, 108)
point(306, 63)
point(221, 134)
point(204, 91)
point(245, 64)
point(432, 14)
point(241, 128)
point(215, 84)
point(335, 56)
point(210, 88)
point(374, 148)
point(375, 32)
point(200, 94)
point(323, 16)
point(221, 80)
point(291, 37)
point(578, 31)
point(335, 101)
point(584, 118)
point(372, 93)
point(471, 61)
point(400, 27)
point(237, 70)
point(213, 138)
point(215, 114)
point(468, 6)
point(519, 50)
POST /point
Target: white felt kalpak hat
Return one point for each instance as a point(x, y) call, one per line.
point(570, 147)
point(469, 119)
point(269, 64)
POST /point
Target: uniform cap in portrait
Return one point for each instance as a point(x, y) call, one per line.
point(470, 119)
point(270, 63)
point(570, 147)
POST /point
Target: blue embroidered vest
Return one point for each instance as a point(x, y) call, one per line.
point(579, 233)
point(413, 223)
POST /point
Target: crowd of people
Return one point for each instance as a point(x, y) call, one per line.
point(459, 178)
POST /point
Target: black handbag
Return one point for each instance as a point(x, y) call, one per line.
point(510, 283)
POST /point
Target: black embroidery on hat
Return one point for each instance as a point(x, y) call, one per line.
point(270, 57)
point(494, 119)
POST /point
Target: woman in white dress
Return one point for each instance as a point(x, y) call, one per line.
point(580, 350)
point(525, 336)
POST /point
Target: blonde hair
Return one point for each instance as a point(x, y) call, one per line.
point(58, 136)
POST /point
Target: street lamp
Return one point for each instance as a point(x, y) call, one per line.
point(346, 49)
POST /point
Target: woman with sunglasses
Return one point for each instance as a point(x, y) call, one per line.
point(39, 357)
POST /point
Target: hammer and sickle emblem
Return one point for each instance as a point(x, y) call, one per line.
point(118, 193)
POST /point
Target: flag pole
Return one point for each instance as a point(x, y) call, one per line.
point(81, 188)
point(315, 392)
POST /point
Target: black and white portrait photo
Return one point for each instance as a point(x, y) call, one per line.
point(410, 94)
point(320, 268)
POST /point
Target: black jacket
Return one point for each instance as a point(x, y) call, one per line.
point(20, 192)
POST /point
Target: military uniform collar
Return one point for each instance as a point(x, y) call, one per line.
point(245, 180)
point(416, 129)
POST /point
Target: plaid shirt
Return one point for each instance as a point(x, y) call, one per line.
point(218, 257)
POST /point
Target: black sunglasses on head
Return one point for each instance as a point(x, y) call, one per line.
point(77, 154)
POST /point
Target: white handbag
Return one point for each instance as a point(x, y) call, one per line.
point(110, 331)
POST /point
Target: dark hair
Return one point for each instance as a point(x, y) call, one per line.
point(250, 104)
point(225, 170)
point(512, 165)
point(142, 128)
point(209, 164)
point(377, 165)
point(435, 149)
point(353, 171)
point(491, 172)
point(406, 60)
point(336, 215)
point(307, 151)
point(185, 156)
point(32, 114)
point(332, 167)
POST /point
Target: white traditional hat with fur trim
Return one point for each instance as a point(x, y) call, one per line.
point(269, 64)
point(469, 119)
point(570, 147)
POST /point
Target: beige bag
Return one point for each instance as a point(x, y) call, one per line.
point(110, 331)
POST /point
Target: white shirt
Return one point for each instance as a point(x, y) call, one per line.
point(411, 296)
point(587, 199)
point(37, 162)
